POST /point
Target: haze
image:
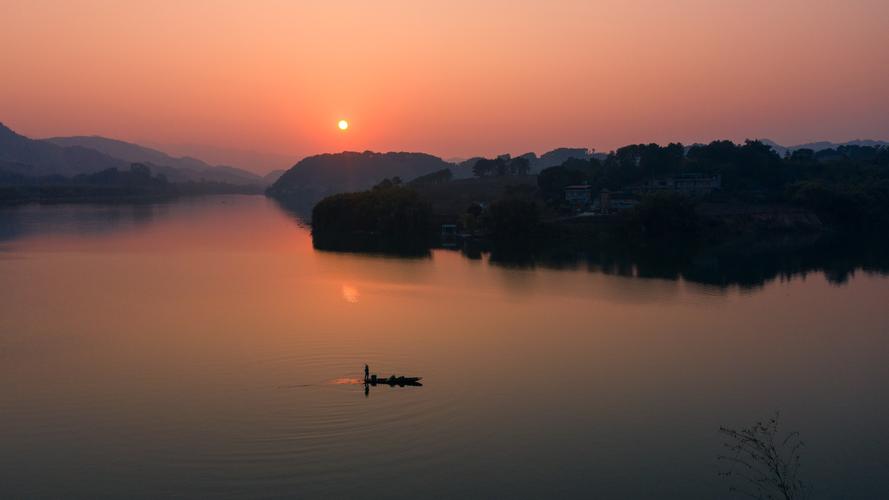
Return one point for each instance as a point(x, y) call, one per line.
point(454, 78)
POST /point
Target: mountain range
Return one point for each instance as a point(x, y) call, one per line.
point(176, 169)
point(71, 156)
point(233, 156)
point(312, 177)
point(24, 156)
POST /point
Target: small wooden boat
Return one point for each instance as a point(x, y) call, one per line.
point(393, 381)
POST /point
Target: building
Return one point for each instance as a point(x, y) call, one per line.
point(610, 202)
point(689, 184)
point(621, 204)
point(579, 196)
point(448, 235)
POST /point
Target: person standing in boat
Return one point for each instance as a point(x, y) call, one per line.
point(366, 373)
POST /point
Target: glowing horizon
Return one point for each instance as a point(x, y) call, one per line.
point(454, 79)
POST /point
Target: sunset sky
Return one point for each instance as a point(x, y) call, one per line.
point(452, 78)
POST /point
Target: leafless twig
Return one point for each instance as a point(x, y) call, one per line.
point(760, 464)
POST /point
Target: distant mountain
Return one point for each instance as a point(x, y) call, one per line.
point(818, 146)
point(270, 178)
point(182, 169)
point(30, 157)
point(463, 170)
point(318, 176)
point(245, 159)
point(781, 150)
point(558, 156)
point(72, 156)
point(822, 145)
point(531, 157)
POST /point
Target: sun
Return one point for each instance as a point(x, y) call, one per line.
point(343, 124)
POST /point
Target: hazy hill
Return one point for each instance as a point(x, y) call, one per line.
point(23, 158)
point(257, 162)
point(182, 169)
point(558, 156)
point(322, 175)
point(39, 158)
point(272, 176)
point(821, 145)
point(463, 170)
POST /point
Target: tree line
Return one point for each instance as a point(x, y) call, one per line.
point(501, 166)
point(848, 185)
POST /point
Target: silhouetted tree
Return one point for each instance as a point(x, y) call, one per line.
point(475, 209)
point(388, 183)
point(512, 219)
point(802, 156)
point(500, 166)
point(484, 167)
point(553, 180)
point(140, 171)
point(437, 177)
point(663, 214)
point(389, 211)
point(519, 166)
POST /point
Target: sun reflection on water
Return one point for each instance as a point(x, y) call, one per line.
point(350, 294)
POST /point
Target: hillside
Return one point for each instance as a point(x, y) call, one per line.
point(273, 176)
point(182, 169)
point(30, 157)
point(318, 176)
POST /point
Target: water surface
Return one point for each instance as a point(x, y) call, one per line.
point(194, 349)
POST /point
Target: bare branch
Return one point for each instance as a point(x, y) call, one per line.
point(762, 468)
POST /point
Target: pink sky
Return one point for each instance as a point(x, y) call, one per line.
point(454, 78)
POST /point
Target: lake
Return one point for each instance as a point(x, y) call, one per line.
point(202, 348)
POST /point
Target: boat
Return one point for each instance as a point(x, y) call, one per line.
point(393, 381)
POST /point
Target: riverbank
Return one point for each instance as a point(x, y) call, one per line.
point(509, 218)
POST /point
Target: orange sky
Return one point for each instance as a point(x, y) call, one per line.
point(453, 78)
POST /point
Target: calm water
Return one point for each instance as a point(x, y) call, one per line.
point(198, 349)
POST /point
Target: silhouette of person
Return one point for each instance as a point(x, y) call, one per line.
point(366, 373)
